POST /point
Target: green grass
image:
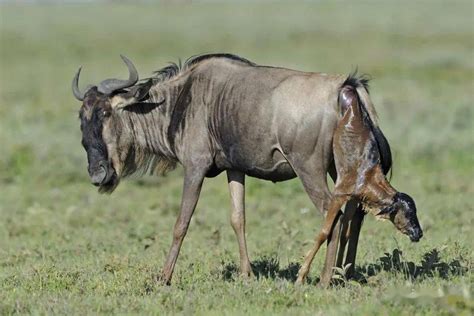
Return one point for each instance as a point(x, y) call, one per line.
point(65, 249)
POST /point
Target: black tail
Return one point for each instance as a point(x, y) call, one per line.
point(384, 149)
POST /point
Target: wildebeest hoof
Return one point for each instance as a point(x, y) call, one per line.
point(324, 284)
point(248, 275)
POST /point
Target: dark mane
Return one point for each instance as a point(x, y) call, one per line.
point(198, 58)
point(357, 81)
point(167, 72)
point(173, 69)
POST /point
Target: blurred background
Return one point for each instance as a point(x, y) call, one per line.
point(54, 226)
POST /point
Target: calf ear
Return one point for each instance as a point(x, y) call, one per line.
point(387, 210)
point(392, 207)
point(134, 95)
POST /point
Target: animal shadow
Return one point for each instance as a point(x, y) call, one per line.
point(266, 267)
point(431, 266)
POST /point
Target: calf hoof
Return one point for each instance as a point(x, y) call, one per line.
point(300, 280)
point(302, 273)
point(163, 280)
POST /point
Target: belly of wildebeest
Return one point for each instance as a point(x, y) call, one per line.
point(262, 163)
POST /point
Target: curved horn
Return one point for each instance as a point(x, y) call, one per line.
point(75, 86)
point(110, 85)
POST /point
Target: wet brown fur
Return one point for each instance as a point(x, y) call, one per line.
point(359, 177)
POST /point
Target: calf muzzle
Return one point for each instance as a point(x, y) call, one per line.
point(415, 234)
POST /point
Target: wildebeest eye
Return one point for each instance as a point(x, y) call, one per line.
point(106, 113)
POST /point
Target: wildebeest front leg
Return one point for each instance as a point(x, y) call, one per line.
point(236, 182)
point(191, 189)
point(336, 203)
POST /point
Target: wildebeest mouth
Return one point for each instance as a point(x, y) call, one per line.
point(105, 178)
point(102, 174)
point(109, 185)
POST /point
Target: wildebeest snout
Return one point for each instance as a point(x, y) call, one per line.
point(99, 174)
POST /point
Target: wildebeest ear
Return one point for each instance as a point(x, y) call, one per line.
point(141, 91)
point(134, 95)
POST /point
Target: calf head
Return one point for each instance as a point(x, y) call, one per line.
point(402, 213)
point(100, 124)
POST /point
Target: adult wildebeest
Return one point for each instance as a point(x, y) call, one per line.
point(222, 112)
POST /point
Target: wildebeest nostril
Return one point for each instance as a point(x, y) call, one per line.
point(98, 176)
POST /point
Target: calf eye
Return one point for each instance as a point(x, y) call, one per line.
point(106, 113)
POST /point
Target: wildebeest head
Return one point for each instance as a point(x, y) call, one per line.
point(100, 124)
point(402, 213)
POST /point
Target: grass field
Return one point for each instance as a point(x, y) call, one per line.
point(65, 249)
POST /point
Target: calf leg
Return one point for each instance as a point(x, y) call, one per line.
point(332, 243)
point(312, 173)
point(336, 203)
point(331, 251)
point(236, 181)
point(191, 189)
point(341, 228)
point(318, 192)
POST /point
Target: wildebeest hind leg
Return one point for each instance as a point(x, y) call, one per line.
point(313, 175)
point(355, 227)
point(331, 251)
point(349, 211)
point(236, 181)
point(333, 240)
